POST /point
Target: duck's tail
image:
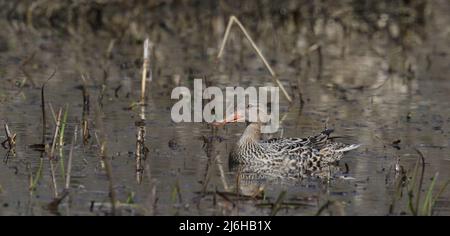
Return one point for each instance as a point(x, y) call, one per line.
point(320, 140)
point(348, 148)
point(335, 151)
point(327, 132)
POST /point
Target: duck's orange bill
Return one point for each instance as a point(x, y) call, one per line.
point(235, 117)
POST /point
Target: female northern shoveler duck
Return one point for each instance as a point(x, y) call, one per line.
point(307, 154)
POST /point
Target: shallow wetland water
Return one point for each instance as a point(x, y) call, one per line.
point(375, 79)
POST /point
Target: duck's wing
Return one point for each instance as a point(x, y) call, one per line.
point(291, 145)
point(286, 145)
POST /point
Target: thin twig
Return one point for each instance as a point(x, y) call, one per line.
point(52, 111)
point(10, 138)
point(55, 135)
point(44, 119)
point(50, 157)
point(232, 20)
point(69, 162)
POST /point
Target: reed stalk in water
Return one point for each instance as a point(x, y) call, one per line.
point(61, 140)
point(51, 155)
point(69, 161)
point(44, 118)
point(232, 20)
point(145, 68)
point(10, 141)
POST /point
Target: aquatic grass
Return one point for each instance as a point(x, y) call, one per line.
point(61, 140)
point(278, 203)
point(234, 20)
point(84, 116)
point(436, 197)
point(176, 192)
point(103, 87)
point(130, 198)
point(338, 205)
point(51, 155)
point(422, 173)
point(69, 161)
point(108, 170)
point(427, 205)
point(34, 180)
point(413, 183)
point(44, 118)
point(152, 198)
point(398, 192)
point(52, 111)
point(176, 196)
point(55, 134)
point(63, 126)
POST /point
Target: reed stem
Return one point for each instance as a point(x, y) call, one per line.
point(145, 68)
point(232, 20)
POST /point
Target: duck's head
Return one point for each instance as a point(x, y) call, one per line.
point(251, 113)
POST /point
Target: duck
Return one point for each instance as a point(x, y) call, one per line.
point(308, 154)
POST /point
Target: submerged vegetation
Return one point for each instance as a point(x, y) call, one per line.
point(85, 105)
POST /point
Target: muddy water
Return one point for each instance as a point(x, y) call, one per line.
point(372, 90)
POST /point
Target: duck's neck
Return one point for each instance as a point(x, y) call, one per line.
point(247, 145)
point(251, 135)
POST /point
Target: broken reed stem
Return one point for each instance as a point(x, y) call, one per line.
point(10, 138)
point(140, 145)
point(44, 119)
point(222, 173)
point(419, 191)
point(55, 135)
point(50, 157)
point(85, 94)
point(61, 140)
point(63, 126)
point(152, 199)
point(108, 170)
point(232, 20)
point(8, 133)
point(69, 162)
point(145, 68)
point(52, 111)
point(84, 119)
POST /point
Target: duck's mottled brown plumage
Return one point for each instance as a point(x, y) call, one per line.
point(305, 153)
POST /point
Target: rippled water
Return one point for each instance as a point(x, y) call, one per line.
point(371, 90)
